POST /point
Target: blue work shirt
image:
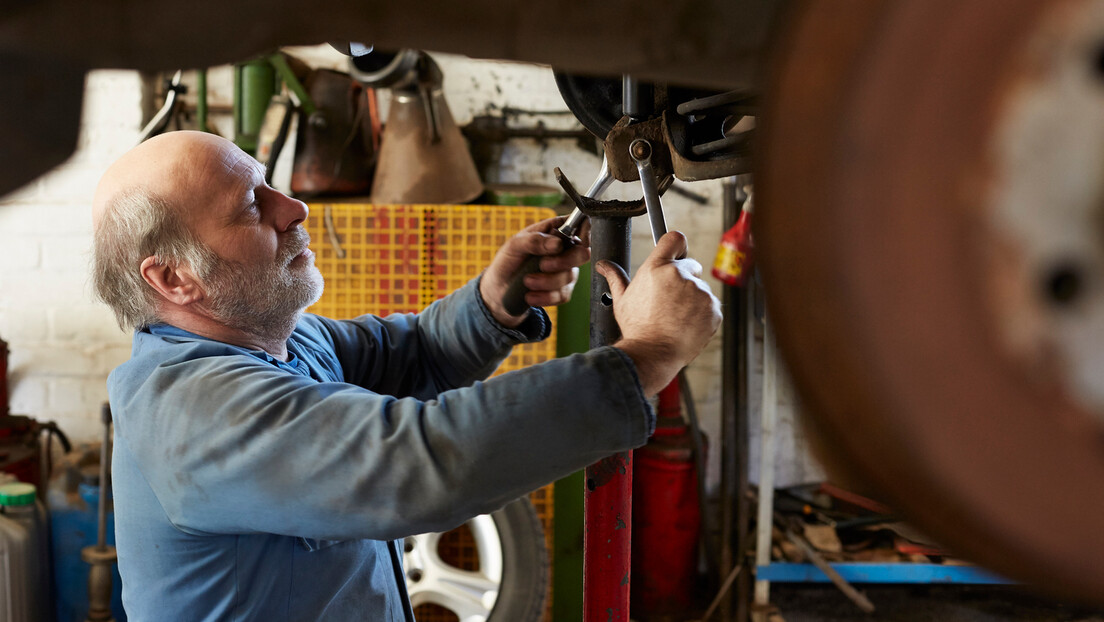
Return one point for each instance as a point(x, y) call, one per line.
point(248, 488)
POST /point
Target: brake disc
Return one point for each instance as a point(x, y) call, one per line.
point(932, 237)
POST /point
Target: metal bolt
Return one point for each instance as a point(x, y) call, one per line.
point(414, 575)
point(408, 545)
point(640, 149)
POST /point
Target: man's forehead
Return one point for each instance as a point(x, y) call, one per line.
point(236, 166)
point(220, 181)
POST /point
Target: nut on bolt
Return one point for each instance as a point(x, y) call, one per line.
point(640, 149)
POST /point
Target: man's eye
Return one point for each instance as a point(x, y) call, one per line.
point(250, 212)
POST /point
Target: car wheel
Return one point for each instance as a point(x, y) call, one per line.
point(500, 574)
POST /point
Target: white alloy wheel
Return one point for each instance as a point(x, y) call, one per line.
point(471, 595)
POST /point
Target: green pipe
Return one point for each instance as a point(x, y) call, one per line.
point(201, 100)
point(572, 335)
point(279, 62)
point(237, 98)
point(254, 86)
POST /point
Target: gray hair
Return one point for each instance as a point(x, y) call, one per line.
point(138, 224)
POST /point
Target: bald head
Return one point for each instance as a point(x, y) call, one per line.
point(172, 167)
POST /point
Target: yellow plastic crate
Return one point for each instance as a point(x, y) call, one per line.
point(384, 259)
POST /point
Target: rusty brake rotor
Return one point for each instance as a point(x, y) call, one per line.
point(932, 236)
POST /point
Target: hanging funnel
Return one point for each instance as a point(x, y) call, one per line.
point(423, 157)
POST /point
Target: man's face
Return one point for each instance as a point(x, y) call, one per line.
point(264, 273)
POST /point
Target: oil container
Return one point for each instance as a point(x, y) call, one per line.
point(24, 559)
point(73, 522)
point(666, 517)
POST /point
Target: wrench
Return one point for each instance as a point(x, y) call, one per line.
point(514, 298)
point(640, 151)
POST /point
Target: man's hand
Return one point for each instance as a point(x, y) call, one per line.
point(666, 315)
point(552, 285)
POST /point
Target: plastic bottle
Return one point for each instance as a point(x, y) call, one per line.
point(24, 571)
point(735, 255)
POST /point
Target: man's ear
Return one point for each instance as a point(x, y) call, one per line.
point(176, 284)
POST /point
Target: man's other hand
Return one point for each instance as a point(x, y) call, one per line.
point(666, 314)
point(559, 269)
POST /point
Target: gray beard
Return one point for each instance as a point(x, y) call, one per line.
point(264, 302)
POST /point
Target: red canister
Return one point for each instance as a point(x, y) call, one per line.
point(666, 516)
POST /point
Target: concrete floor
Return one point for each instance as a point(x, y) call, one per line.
point(817, 603)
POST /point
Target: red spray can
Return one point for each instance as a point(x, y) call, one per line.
point(735, 254)
point(666, 516)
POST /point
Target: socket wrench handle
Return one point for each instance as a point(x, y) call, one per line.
point(514, 298)
point(640, 151)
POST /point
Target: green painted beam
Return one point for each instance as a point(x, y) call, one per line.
point(572, 335)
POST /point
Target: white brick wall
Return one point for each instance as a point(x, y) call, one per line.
point(63, 344)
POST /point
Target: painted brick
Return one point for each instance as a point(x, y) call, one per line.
point(51, 360)
point(86, 323)
point(29, 193)
point(69, 253)
point(35, 288)
point(19, 325)
point(112, 98)
point(110, 356)
point(94, 392)
point(83, 426)
point(21, 254)
point(102, 145)
point(69, 395)
point(19, 218)
point(45, 218)
point(71, 183)
point(28, 394)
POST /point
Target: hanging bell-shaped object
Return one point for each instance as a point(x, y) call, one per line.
point(423, 157)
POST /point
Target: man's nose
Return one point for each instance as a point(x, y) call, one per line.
point(290, 212)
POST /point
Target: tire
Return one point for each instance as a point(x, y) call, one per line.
point(525, 564)
point(511, 583)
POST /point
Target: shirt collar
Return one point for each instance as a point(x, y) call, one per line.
point(293, 364)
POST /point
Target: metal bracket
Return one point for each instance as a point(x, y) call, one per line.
point(666, 157)
point(623, 134)
point(600, 209)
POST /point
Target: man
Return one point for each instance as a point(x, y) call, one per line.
point(266, 461)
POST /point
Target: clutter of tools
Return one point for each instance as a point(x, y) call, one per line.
point(827, 522)
point(55, 521)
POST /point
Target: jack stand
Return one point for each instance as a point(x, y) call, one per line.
point(607, 502)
